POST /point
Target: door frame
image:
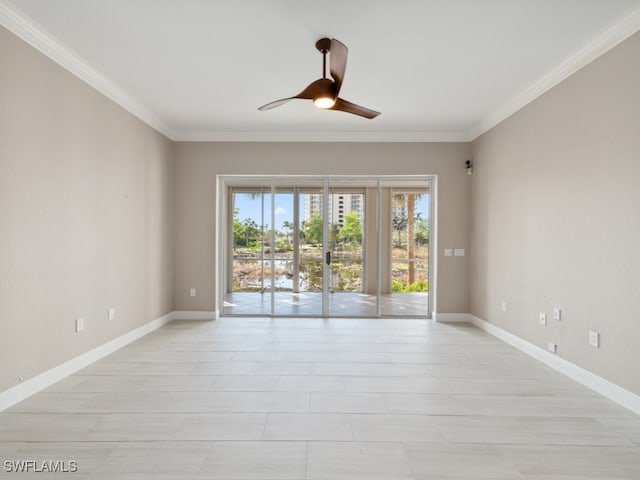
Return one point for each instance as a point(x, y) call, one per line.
point(224, 233)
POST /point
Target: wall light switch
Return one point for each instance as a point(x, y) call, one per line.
point(459, 252)
point(79, 324)
point(193, 292)
point(594, 339)
point(503, 306)
point(448, 252)
point(111, 313)
point(557, 314)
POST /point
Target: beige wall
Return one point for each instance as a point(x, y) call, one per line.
point(99, 210)
point(86, 216)
point(199, 163)
point(555, 208)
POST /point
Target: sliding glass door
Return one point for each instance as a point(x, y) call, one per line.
point(347, 223)
point(325, 246)
point(298, 249)
point(407, 224)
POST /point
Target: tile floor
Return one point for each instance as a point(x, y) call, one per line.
point(294, 399)
point(341, 304)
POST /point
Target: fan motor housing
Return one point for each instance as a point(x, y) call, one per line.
point(323, 45)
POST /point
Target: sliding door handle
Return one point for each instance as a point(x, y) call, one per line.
point(328, 258)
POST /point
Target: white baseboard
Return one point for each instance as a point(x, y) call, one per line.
point(40, 382)
point(195, 315)
point(604, 387)
point(450, 317)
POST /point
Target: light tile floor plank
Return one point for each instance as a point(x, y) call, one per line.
point(313, 398)
point(256, 461)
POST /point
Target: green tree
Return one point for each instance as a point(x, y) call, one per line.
point(312, 229)
point(251, 232)
point(287, 226)
point(411, 239)
point(422, 230)
point(399, 224)
point(245, 232)
point(351, 231)
point(237, 228)
point(410, 199)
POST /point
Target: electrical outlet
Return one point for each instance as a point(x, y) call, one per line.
point(543, 318)
point(111, 314)
point(557, 314)
point(79, 324)
point(192, 292)
point(448, 252)
point(503, 306)
point(594, 339)
point(552, 347)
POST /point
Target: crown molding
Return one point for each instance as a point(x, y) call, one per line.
point(35, 35)
point(345, 136)
point(609, 38)
point(25, 28)
point(28, 30)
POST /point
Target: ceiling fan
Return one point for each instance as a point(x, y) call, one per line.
point(324, 91)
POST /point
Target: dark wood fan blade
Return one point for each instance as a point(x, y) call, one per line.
point(314, 89)
point(338, 62)
point(275, 104)
point(349, 107)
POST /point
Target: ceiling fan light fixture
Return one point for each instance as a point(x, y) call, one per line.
point(324, 102)
point(325, 92)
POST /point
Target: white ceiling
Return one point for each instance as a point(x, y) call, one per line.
point(436, 69)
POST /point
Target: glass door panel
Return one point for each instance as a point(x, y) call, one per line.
point(250, 268)
point(298, 252)
point(405, 287)
point(337, 247)
point(347, 234)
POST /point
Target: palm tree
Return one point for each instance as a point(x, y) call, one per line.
point(411, 238)
point(288, 228)
point(411, 198)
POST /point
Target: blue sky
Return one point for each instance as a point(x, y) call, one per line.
point(251, 207)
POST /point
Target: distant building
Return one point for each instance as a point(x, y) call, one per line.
point(399, 209)
point(340, 205)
